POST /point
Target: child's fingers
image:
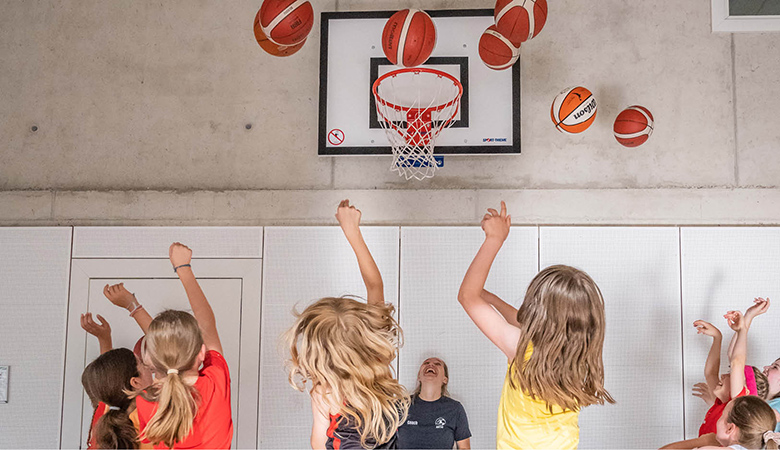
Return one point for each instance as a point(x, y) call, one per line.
point(492, 212)
point(102, 321)
point(503, 209)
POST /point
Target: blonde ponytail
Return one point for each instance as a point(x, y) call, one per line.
point(173, 342)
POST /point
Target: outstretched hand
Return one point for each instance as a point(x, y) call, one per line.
point(118, 295)
point(735, 320)
point(179, 254)
point(348, 216)
point(706, 328)
point(760, 306)
point(497, 224)
point(702, 390)
point(100, 329)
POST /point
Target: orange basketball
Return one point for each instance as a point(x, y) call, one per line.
point(633, 126)
point(496, 51)
point(573, 110)
point(271, 47)
point(286, 22)
point(520, 20)
point(409, 37)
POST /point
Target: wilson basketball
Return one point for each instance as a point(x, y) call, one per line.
point(573, 110)
point(520, 20)
point(286, 22)
point(271, 47)
point(633, 126)
point(409, 37)
point(496, 51)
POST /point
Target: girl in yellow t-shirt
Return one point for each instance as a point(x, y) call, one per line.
point(553, 344)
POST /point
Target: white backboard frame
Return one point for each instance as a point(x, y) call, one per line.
point(490, 105)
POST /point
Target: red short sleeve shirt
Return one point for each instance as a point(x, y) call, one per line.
point(213, 425)
point(711, 418)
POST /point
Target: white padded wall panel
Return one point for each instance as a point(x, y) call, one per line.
point(153, 242)
point(724, 269)
point(301, 265)
point(433, 263)
point(638, 272)
point(34, 273)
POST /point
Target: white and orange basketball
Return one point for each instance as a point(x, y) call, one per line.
point(520, 20)
point(496, 51)
point(573, 110)
point(633, 126)
point(286, 22)
point(271, 47)
point(409, 38)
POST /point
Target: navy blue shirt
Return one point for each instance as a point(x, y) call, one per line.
point(438, 424)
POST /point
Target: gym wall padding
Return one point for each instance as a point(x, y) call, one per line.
point(34, 275)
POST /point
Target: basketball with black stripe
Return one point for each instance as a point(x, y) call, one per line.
point(633, 126)
point(573, 110)
point(409, 37)
point(286, 22)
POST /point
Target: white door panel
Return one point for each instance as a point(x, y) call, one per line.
point(301, 265)
point(638, 272)
point(433, 263)
point(725, 269)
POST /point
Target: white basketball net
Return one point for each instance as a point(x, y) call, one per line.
point(413, 106)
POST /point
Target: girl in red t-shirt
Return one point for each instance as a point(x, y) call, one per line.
point(743, 380)
point(186, 407)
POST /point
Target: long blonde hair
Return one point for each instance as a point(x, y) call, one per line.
point(562, 319)
point(345, 348)
point(173, 341)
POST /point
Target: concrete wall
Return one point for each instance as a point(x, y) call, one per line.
point(154, 98)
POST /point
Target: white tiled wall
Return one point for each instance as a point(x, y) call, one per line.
point(655, 280)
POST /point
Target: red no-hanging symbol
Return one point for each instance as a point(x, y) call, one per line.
point(336, 136)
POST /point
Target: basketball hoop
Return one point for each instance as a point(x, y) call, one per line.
point(413, 106)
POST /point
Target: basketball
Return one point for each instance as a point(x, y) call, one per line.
point(271, 47)
point(520, 20)
point(573, 110)
point(286, 22)
point(633, 126)
point(496, 51)
point(409, 38)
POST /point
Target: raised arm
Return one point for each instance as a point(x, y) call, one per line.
point(507, 311)
point(119, 296)
point(101, 330)
point(760, 306)
point(349, 220)
point(712, 366)
point(505, 336)
point(739, 355)
point(181, 257)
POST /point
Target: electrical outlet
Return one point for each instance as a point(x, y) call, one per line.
point(3, 384)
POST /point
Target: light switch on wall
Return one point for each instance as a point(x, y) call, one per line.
point(3, 384)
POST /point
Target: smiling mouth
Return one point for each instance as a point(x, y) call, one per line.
point(430, 370)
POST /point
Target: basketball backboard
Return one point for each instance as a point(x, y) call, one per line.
point(351, 59)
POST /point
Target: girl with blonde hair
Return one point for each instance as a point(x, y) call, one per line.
point(553, 344)
point(188, 406)
point(344, 348)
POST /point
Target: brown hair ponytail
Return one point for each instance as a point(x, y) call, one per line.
point(106, 379)
point(173, 342)
point(754, 417)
